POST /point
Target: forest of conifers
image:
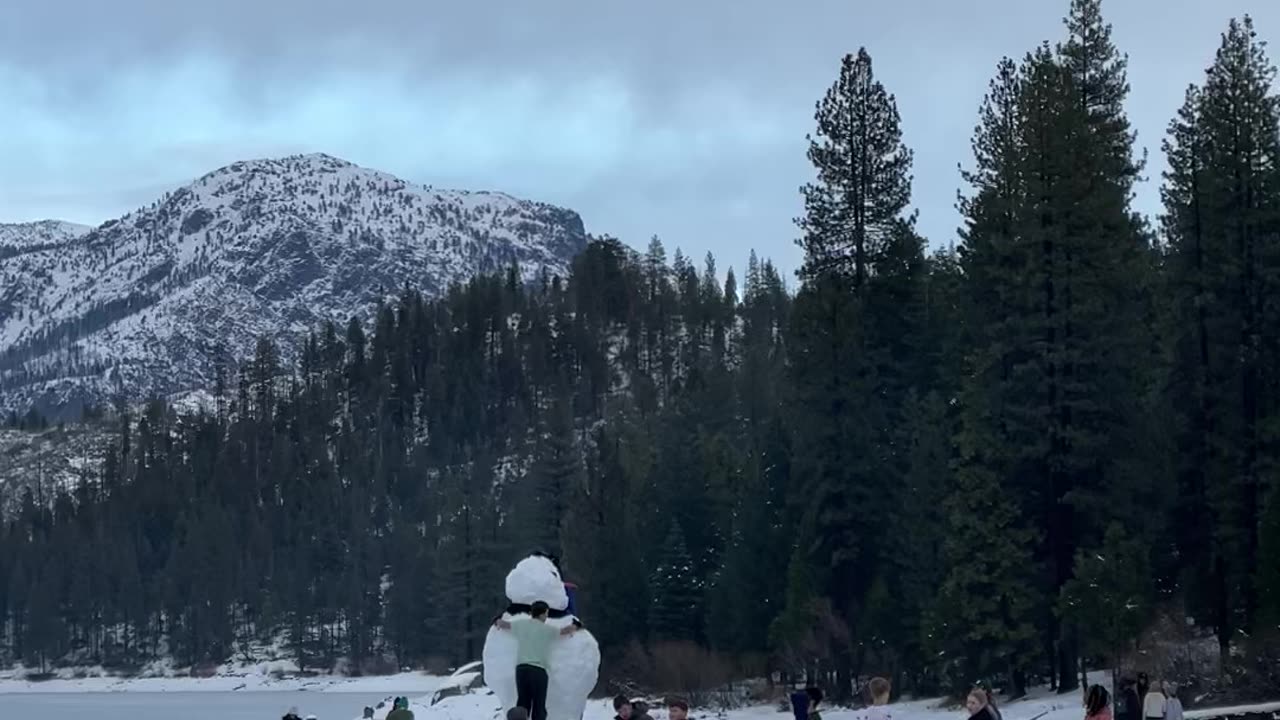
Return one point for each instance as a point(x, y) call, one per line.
point(996, 461)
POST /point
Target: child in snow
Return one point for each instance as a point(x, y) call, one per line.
point(678, 709)
point(533, 657)
point(1097, 704)
point(1172, 705)
point(622, 708)
point(1153, 705)
point(800, 705)
point(880, 690)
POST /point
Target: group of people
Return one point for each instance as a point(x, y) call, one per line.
point(1137, 698)
point(807, 705)
point(638, 709)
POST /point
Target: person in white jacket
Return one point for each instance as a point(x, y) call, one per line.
point(1153, 705)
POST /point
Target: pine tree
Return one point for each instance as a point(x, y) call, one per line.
point(677, 592)
point(1110, 595)
point(864, 175)
point(1268, 574)
point(555, 477)
point(915, 568)
point(1100, 84)
point(1059, 274)
point(1222, 202)
point(987, 606)
point(745, 595)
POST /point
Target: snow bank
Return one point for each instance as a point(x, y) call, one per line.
point(1234, 710)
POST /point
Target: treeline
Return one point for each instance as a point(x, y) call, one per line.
point(370, 501)
point(993, 463)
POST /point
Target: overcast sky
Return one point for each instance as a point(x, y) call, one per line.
point(682, 119)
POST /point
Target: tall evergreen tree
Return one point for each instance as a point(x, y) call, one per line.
point(677, 591)
point(1110, 595)
point(864, 175)
point(1222, 219)
point(1059, 272)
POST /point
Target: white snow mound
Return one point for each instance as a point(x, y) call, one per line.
point(536, 578)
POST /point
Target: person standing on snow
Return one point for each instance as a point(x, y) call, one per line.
point(815, 699)
point(533, 657)
point(1172, 705)
point(880, 690)
point(1097, 704)
point(1154, 705)
point(977, 705)
point(400, 710)
point(1128, 704)
point(800, 705)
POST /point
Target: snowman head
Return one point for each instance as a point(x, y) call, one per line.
point(537, 578)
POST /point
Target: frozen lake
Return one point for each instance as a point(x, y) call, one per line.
point(188, 705)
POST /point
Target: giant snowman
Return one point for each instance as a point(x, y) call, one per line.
point(574, 660)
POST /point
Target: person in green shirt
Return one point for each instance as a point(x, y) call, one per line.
point(533, 654)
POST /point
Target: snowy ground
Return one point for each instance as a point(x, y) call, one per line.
point(1041, 704)
point(257, 680)
point(257, 691)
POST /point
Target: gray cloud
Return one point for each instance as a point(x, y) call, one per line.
point(681, 119)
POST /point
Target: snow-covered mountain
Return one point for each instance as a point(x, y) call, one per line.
point(144, 304)
point(24, 237)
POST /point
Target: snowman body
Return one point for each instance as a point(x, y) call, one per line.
point(574, 660)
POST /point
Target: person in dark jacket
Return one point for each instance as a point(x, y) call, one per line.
point(800, 705)
point(1127, 703)
point(622, 708)
point(640, 709)
point(977, 705)
point(401, 710)
point(815, 699)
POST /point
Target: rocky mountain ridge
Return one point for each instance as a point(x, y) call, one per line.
point(148, 304)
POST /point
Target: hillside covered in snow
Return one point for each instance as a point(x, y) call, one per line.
point(151, 303)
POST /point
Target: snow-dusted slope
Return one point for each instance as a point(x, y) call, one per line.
point(22, 237)
point(143, 304)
